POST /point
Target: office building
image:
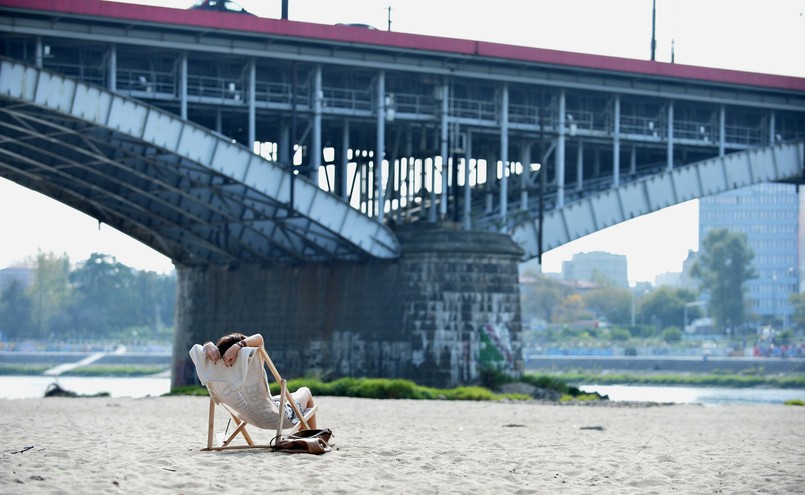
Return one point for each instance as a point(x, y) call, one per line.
point(591, 266)
point(770, 216)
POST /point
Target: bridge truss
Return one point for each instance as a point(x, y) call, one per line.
point(192, 195)
point(485, 135)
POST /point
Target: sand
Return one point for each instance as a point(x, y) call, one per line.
point(153, 445)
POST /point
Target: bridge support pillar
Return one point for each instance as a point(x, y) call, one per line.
point(445, 310)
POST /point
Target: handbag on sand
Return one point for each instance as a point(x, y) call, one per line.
point(312, 441)
point(323, 433)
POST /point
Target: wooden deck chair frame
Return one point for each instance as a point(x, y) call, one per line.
point(240, 428)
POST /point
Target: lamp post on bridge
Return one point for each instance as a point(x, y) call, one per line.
point(653, 28)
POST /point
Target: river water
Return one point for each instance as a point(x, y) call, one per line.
point(21, 387)
point(696, 395)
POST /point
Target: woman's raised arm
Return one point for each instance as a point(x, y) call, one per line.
point(255, 340)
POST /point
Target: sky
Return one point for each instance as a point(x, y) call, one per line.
point(754, 36)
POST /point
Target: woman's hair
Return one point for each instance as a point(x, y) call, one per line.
point(228, 341)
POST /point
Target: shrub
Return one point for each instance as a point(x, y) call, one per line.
point(469, 393)
point(671, 334)
point(619, 334)
point(579, 397)
point(493, 379)
point(115, 371)
point(188, 390)
point(23, 369)
point(545, 381)
point(375, 388)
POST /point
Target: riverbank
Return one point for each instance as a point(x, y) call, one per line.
point(34, 387)
point(792, 381)
point(663, 364)
point(153, 445)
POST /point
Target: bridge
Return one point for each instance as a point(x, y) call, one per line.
point(319, 165)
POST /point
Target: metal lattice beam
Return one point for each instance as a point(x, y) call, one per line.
point(187, 192)
point(784, 162)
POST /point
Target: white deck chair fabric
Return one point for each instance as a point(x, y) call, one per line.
point(242, 388)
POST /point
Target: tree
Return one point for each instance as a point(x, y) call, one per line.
point(671, 335)
point(619, 334)
point(724, 266)
point(571, 309)
point(541, 297)
point(101, 299)
point(112, 300)
point(613, 303)
point(155, 295)
point(798, 302)
point(106, 295)
point(15, 312)
point(666, 306)
point(49, 291)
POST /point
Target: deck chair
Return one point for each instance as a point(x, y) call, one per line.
point(243, 391)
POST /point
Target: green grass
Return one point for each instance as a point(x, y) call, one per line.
point(189, 390)
point(580, 397)
point(550, 382)
point(110, 371)
point(720, 380)
point(123, 371)
point(23, 369)
point(795, 402)
point(378, 388)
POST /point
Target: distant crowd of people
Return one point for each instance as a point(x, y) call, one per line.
point(771, 348)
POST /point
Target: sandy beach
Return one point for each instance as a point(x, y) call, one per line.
point(153, 445)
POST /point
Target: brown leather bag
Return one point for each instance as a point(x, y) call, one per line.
point(311, 441)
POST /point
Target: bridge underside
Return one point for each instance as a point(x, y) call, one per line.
point(199, 198)
point(412, 134)
point(187, 192)
point(598, 210)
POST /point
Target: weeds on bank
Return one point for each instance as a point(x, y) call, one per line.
point(107, 371)
point(377, 388)
point(121, 371)
point(720, 380)
point(579, 398)
point(795, 402)
point(386, 388)
point(22, 369)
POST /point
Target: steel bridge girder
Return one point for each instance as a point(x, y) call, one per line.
point(784, 162)
point(334, 229)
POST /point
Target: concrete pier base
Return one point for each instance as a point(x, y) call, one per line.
point(445, 309)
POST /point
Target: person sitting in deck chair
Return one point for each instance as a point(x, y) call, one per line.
point(227, 349)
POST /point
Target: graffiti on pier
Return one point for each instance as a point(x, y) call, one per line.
point(496, 350)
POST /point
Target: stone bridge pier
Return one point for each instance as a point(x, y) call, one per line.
point(448, 307)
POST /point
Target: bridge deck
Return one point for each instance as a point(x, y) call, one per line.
point(189, 193)
point(461, 125)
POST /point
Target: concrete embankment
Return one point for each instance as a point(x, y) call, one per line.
point(672, 364)
point(69, 360)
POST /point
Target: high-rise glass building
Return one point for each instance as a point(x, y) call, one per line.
point(769, 215)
